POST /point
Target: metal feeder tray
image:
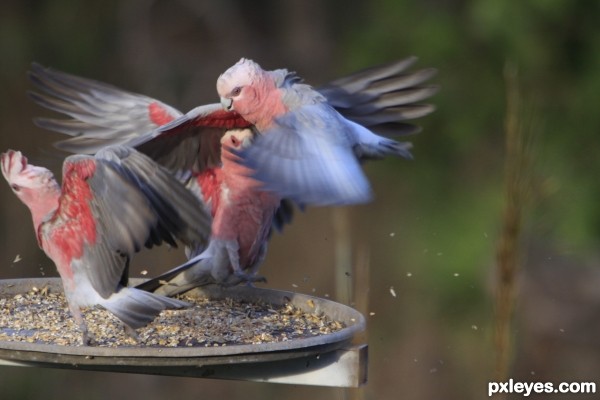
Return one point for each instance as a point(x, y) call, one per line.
point(323, 360)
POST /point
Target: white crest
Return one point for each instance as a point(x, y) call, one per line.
point(244, 72)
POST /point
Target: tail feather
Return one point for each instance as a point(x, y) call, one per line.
point(368, 145)
point(137, 308)
point(399, 149)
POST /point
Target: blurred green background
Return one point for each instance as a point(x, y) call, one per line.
point(430, 234)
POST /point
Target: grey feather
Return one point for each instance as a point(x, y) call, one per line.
point(137, 308)
point(307, 156)
point(383, 98)
point(136, 203)
point(104, 111)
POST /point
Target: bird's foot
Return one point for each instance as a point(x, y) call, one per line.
point(86, 339)
point(249, 279)
point(131, 333)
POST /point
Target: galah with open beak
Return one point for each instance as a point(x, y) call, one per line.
point(108, 207)
point(306, 150)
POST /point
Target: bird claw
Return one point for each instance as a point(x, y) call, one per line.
point(86, 339)
point(131, 333)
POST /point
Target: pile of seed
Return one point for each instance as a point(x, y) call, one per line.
point(42, 317)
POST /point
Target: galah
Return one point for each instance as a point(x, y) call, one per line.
point(242, 220)
point(306, 150)
point(109, 206)
point(190, 144)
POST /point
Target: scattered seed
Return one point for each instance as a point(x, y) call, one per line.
point(41, 316)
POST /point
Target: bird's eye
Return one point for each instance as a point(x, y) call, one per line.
point(234, 141)
point(15, 187)
point(236, 91)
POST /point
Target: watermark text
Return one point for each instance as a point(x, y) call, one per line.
point(529, 388)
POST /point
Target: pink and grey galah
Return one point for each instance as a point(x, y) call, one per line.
point(109, 206)
point(191, 145)
point(306, 150)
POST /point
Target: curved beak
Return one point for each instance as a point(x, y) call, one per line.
point(227, 103)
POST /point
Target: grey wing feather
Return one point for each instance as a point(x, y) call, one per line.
point(136, 203)
point(99, 111)
point(103, 115)
point(181, 145)
point(306, 161)
point(383, 98)
point(181, 215)
point(152, 284)
point(123, 220)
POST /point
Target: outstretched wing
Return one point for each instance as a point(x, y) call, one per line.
point(126, 201)
point(101, 114)
point(307, 156)
point(383, 98)
point(190, 143)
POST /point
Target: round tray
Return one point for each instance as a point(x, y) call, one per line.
point(178, 361)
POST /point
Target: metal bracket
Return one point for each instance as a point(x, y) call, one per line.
point(346, 367)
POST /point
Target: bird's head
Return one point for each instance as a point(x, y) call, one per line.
point(25, 180)
point(239, 87)
point(237, 139)
point(234, 173)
